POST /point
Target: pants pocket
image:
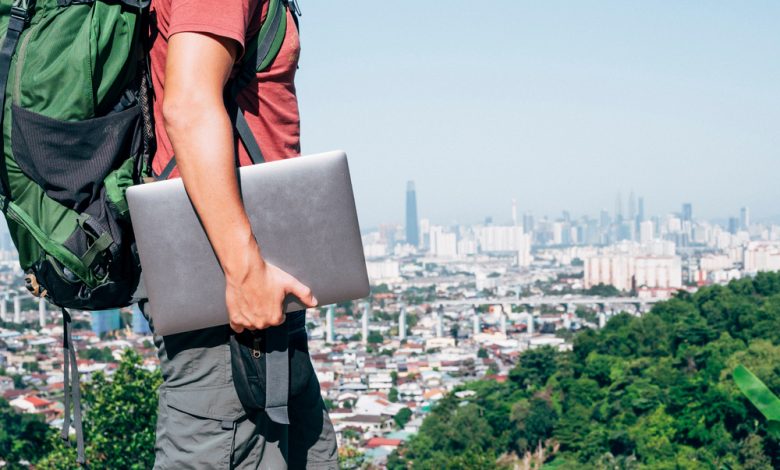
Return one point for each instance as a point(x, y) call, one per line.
point(196, 428)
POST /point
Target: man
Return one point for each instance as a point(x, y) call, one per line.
point(201, 423)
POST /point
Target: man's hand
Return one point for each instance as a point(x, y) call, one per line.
point(254, 298)
point(197, 123)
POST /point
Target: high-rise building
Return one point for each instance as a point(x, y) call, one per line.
point(619, 208)
point(744, 218)
point(402, 323)
point(41, 312)
point(514, 211)
point(104, 321)
point(641, 210)
point(528, 222)
point(366, 313)
point(140, 324)
point(631, 206)
point(440, 321)
point(17, 309)
point(412, 229)
point(646, 231)
point(733, 225)
point(329, 324)
point(687, 212)
point(605, 219)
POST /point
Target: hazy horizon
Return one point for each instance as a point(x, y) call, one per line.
point(557, 104)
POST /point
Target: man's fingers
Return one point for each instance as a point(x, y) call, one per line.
point(303, 293)
point(236, 327)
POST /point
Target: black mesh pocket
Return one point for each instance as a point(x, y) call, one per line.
point(70, 159)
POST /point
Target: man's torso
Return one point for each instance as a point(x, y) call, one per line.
point(269, 101)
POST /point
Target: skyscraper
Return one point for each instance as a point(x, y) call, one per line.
point(104, 321)
point(687, 212)
point(631, 206)
point(329, 326)
point(619, 208)
point(641, 211)
point(412, 229)
point(402, 323)
point(733, 225)
point(744, 218)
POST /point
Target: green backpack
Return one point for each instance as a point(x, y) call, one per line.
point(75, 138)
point(77, 132)
point(73, 142)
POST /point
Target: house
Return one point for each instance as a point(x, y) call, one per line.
point(31, 404)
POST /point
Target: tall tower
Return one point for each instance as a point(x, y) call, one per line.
point(402, 323)
point(631, 206)
point(3, 308)
point(641, 210)
point(366, 313)
point(687, 212)
point(412, 229)
point(41, 312)
point(329, 323)
point(17, 309)
point(619, 208)
point(440, 321)
point(744, 218)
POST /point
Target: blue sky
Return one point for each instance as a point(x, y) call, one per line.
point(557, 104)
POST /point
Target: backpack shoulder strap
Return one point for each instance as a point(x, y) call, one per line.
point(260, 53)
point(20, 16)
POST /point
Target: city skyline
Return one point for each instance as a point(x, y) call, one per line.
point(568, 105)
point(514, 213)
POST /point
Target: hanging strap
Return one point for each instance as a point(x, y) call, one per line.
point(277, 374)
point(71, 381)
point(20, 16)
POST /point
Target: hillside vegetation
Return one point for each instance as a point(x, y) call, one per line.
point(653, 392)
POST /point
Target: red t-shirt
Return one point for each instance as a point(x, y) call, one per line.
point(269, 101)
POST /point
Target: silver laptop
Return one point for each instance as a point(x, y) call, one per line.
point(302, 213)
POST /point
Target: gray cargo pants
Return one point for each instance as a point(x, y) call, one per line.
point(202, 425)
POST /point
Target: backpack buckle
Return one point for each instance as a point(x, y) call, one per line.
point(295, 7)
point(21, 10)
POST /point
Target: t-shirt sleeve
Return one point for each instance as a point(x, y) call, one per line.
point(225, 18)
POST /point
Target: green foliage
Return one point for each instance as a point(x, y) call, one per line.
point(760, 396)
point(392, 395)
point(22, 436)
point(375, 337)
point(654, 392)
point(119, 421)
point(98, 355)
point(603, 290)
point(402, 417)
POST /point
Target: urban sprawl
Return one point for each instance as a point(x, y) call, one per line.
point(448, 305)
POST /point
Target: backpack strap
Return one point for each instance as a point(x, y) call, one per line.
point(20, 17)
point(71, 381)
point(260, 51)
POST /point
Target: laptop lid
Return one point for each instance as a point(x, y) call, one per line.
point(302, 213)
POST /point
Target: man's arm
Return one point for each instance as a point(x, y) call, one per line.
point(197, 69)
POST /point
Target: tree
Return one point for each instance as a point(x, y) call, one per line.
point(402, 417)
point(482, 353)
point(119, 424)
point(375, 337)
point(392, 395)
point(23, 436)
